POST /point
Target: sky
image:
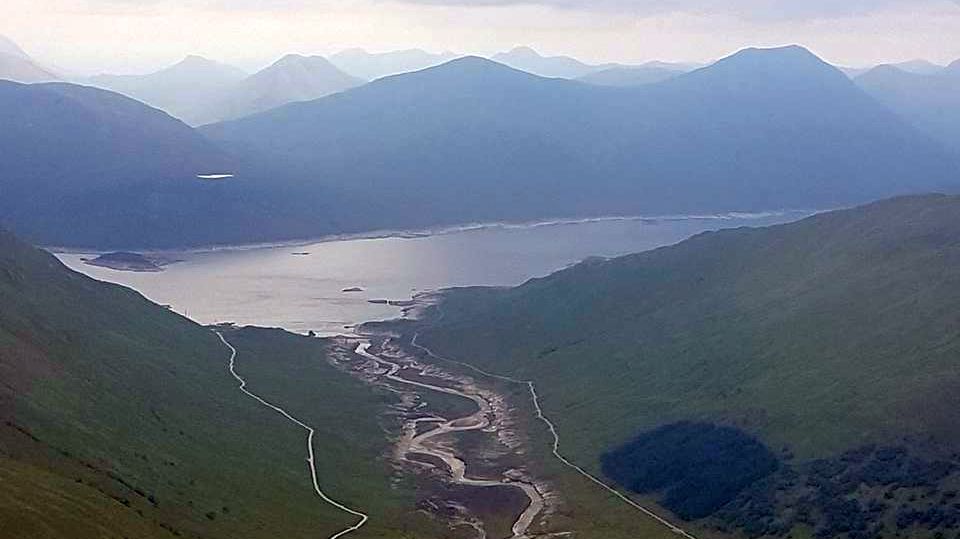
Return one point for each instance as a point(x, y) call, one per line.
point(131, 36)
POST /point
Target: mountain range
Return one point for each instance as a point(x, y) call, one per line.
point(469, 140)
point(764, 381)
point(566, 67)
point(930, 99)
point(474, 140)
point(370, 66)
point(290, 79)
point(198, 91)
point(187, 90)
point(632, 75)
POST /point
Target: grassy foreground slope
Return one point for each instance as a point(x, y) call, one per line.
point(118, 419)
point(838, 330)
point(834, 341)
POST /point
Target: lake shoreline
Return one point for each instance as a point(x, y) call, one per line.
point(440, 231)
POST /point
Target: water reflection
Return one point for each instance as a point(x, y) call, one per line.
point(301, 288)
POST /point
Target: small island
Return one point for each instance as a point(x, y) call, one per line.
point(127, 261)
point(393, 302)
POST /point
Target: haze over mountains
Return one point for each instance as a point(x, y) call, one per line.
point(565, 67)
point(529, 60)
point(633, 75)
point(16, 65)
point(929, 99)
point(200, 91)
point(370, 66)
point(290, 79)
point(476, 140)
point(468, 140)
point(188, 90)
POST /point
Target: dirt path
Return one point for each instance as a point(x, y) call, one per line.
point(310, 433)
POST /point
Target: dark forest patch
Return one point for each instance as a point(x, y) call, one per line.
point(698, 467)
point(736, 485)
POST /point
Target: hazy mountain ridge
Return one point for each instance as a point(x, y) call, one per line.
point(369, 66)
point(566, 67)
point(290, 79)
point(521, 146)
point(529, 60)
point(467, 141)
point(630, 76)
point(8, 46)
point(16, 65)
point(200, 91)
point(931, 101)
point(186, 90)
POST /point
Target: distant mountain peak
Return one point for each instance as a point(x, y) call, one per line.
point(792, 52)
point(524, 50)
point(317, 65)
point(196, 59)
point(919, 66)
point(194, 63)
point(885, 69)
point(475, 65)
point(301, 59)
point(789, 64)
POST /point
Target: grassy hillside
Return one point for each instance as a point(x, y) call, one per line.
point(818, 337)
point(119, 419)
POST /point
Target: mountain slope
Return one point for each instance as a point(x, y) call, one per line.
point(16, 65)
point(292, 78)
point(84, 166)
point(185, 90)
point(19, 69)
point(929, 100)
point(821, 338)
point(630, 76)
point(919, 66)
point(529, 60)
point(370, 66)
point(119, 419)
point(9, 47)
point(476, 140)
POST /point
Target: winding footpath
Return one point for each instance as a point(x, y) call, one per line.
point(310, 433)
point(553, 431)
point(412, 443)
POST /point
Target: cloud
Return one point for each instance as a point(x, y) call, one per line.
point(746, 9)
point(768, 10)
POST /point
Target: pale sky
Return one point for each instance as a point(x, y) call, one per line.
point(142, 35)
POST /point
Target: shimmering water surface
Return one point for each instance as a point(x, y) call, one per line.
point(300, 288)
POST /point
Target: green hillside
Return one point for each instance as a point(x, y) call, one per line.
point(118, 418)
point(833, 340)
